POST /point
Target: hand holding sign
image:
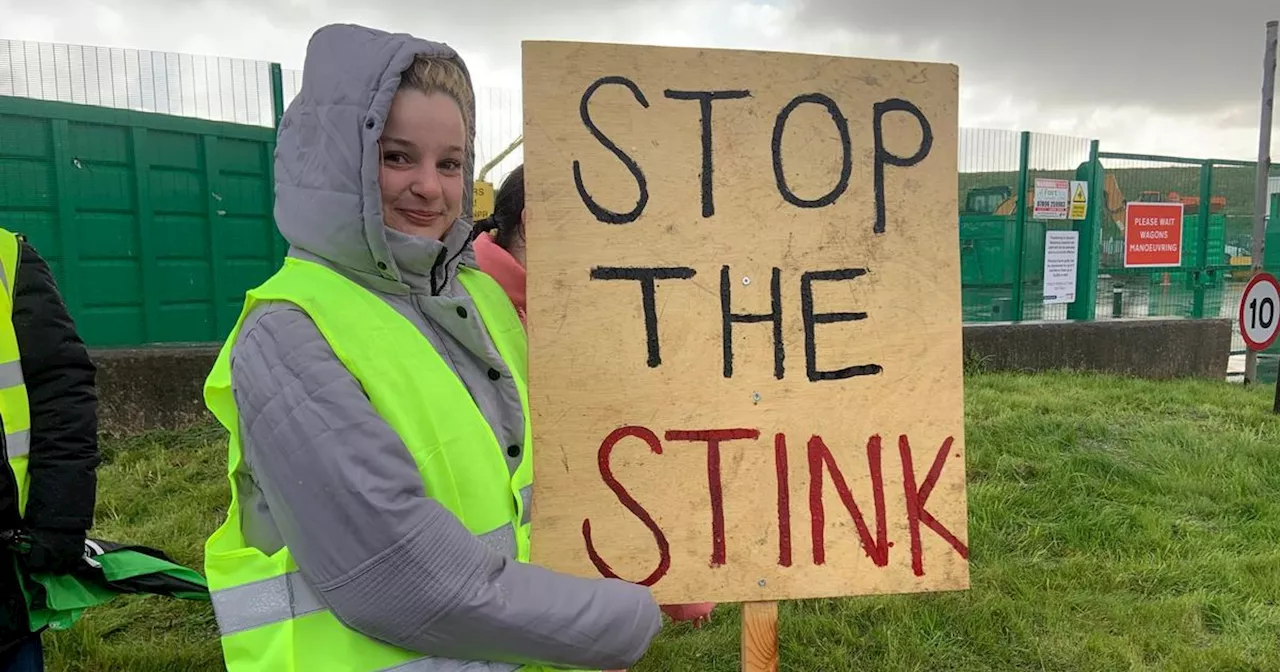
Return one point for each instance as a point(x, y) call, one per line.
point(745, 339)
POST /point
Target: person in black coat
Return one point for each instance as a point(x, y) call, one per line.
point(60, 380)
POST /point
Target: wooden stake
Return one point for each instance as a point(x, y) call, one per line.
point(760, 637)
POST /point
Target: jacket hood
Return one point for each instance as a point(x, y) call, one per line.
point(328, 203)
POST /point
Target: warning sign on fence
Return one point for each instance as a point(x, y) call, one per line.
point(746, 375)
point(1051, 199)
point(1079, 199)
point(1152, 235)
point(1061, 260)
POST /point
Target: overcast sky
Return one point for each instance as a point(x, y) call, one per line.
point(1155, 76)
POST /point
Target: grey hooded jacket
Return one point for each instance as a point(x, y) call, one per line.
point(326, 476)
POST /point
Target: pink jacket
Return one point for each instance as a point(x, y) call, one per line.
point(504, 268)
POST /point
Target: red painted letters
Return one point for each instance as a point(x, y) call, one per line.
point(877, 550)
point(713, 437)
point(916, 500)
point(606, 473)
point(822, 466)
point(784, 499)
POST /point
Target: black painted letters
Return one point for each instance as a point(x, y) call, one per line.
point(705, 98)
point(602, 214)
point(728, 317)
point(811, 319)
point(885, 157)
point(647, 278)
point(846, 149)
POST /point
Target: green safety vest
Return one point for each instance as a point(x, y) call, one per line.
point(270, 618)
point(15, 413)
point(56, 601)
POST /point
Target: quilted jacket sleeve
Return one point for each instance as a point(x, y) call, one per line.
point(388, 560)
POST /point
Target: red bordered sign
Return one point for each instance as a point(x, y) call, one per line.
point(1259, 318)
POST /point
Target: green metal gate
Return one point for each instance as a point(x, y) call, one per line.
point(154, 225)
point(1217, 208)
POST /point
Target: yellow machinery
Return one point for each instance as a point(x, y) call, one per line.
point(482, 193)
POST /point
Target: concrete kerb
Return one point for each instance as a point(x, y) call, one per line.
point(1150, 348)
point(143, 389)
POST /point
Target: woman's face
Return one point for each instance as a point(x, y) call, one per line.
point(422, 162)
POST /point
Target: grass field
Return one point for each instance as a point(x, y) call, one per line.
point(1114, 525)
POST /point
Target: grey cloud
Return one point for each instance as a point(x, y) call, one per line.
point(488, 21)
point(492, 29)
point(1180, 56)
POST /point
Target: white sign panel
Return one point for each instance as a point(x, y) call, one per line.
point(1052, 199)
point(1061, 258)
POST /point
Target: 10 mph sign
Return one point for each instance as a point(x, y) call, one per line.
point(1260, 311)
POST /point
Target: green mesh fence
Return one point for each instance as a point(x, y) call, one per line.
point(1001, 238)
point(988, 181)
point(1050, 157)
point(1216, 199)
point(1149, 292)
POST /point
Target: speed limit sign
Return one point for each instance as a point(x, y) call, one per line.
point(1260, 311)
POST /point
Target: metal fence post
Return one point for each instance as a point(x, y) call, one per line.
point(1020, 228)
point(279, 246)
point(277, 93)
point(1201, 272)
point(1263, 170)
point(1085, 306)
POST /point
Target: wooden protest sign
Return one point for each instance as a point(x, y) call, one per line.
point(744, 321)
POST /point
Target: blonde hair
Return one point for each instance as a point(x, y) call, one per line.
point(442, 75)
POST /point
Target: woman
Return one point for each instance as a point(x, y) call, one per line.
point(374, 392)
point(499, 240)
point(500, 252)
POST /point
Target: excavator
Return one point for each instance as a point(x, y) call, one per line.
point(1190, 204)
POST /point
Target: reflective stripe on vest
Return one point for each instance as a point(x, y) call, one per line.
point(18, 443)
point(15, 412)
point(269, 616)
point(288, 597)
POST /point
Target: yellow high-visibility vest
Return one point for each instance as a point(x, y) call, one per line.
point(270, 618)
point(15, 411)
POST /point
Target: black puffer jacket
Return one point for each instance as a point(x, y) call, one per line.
point(64, 429)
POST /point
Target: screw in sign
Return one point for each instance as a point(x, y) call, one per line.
point(1260, 311)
